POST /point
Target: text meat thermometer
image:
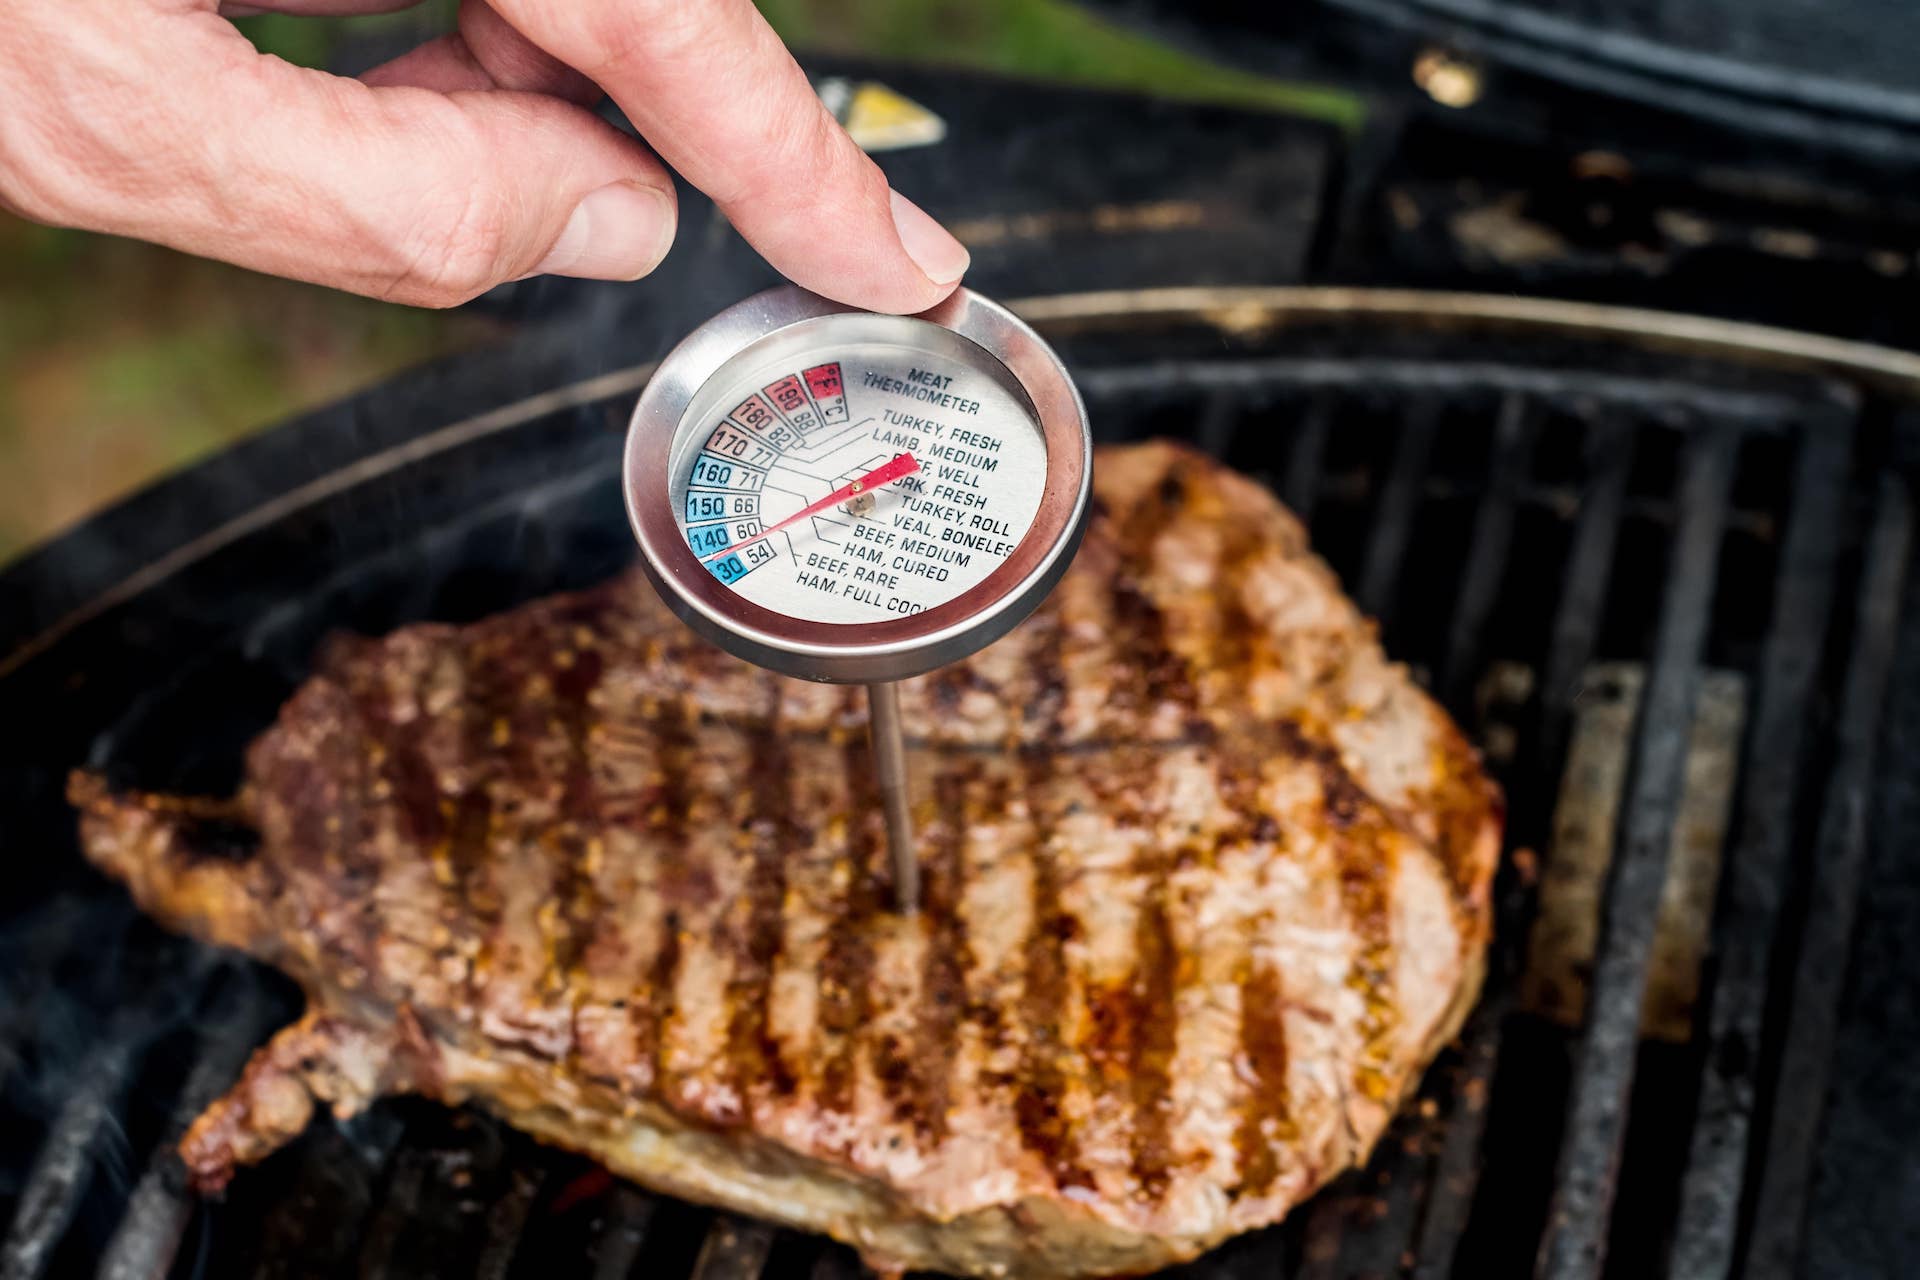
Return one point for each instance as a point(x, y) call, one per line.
point(859, 498)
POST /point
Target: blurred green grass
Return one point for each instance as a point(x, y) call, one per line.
point(1042, 39)
point(120, 362)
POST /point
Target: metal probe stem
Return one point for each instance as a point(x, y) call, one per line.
point(890, 762)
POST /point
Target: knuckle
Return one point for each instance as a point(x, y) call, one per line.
point(29, 189)
point(52, 160)
point(623, 34)
point(451, 229)
point(456, 250)
point(598, 37)
point(813, 143)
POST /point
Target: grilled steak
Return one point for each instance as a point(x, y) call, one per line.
point(1206, 886)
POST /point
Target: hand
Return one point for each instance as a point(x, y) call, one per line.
point(470, 161)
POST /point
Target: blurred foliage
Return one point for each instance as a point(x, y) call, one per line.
point(311, 42)
point(120, 361)
point(1041, 39)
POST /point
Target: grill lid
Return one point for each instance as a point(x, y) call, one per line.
point(1837, 74)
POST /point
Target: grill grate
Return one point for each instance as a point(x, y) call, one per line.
point(1516, 510)
point(1840, 853)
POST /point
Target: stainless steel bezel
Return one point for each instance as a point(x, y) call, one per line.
point(858, 653)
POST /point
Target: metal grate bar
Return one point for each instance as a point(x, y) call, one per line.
point(1756, 867)
point(1378, 1243)
point(735, 1249)
point(1589, 572)
point(1325, 1230)
point(1219, 418)
point(1453, 380)
point(65, 1163)
point(314, 1228)
point(148, 1237)
point(1575, 1243)
point(396, 1211)
point(1256, 1255)
point(629, 1211)
point(1840, 849)
point(1456, 1169)
point(1513, 436)
point(24, 989)
point(1261, 1255)
point(836, 1262)
point(1393, 520)
point(1304, 455)
point(506, 1223)
point(441, 1200)
point(1589, 567)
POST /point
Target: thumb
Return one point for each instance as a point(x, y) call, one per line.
point(398, 192)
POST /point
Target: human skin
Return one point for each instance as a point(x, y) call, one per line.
point(469, 161)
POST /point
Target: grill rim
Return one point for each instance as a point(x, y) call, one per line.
point(1227, 309)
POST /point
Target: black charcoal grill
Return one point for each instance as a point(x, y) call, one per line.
point(1595, 532)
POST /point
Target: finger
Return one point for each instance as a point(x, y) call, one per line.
point(397, 192)
point(709, 84)
point(485, 53)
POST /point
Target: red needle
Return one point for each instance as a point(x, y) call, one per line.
point(903, 464)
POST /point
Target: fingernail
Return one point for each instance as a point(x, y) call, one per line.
point(619, 232)
point(932, 249)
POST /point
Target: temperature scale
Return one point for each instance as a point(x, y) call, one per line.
point(859, 498)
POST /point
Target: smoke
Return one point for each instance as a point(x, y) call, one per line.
point(103, 1018)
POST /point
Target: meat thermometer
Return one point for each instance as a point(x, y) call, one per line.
point(859, 498)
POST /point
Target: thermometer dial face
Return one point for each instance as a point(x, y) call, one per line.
point(751, 473)
point(854, 497)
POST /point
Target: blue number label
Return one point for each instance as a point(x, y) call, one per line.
point(706, 506)
point(724, 473)
point(709, 538)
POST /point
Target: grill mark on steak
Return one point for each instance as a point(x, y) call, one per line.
point(1041, 1092)
point(575, 676)
point(1155, 1019)
point(1266, 1107)
point(619, 876)
point(1039, 1102)
point(1363, 840)
point(845, 976)
point(654, 998)
point(753, 1054)
point(1264, 1119)
point(1465, 807)
point(522, 1001)
point(412, 793)
point(944, 984)
point(1364, 850)
point(1162, 674)
point(1238, 638)
point(711, 893)
point(348, 821)
point(994, 888)
point(482, 693)
point(1158, 674)
point(1151, 1013)
point(1367, 908)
